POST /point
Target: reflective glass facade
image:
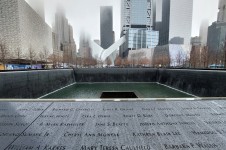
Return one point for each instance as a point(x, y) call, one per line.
point(142, 38)
point(176, 22)
point(135, 12)
point(137, 22)
point(138, 13)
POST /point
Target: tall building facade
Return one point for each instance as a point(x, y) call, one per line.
point(196, 41)
point(203, 32)
point(216, 36)
point(106, 26)
point(222, 11)
point(84, 46)
point(141, 38)
point(38, 6)
point(164, 31)
point(135, 13)
point(21, 27)
point(176, 22)
point(61, 28)
point(136, 25)
point(64, 41)
point(70, 50)
point(157, 14)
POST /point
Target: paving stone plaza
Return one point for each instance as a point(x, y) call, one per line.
point(149, 125)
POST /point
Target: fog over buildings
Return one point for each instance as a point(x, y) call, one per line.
point(176, 22)
point(203, 32)
point(85, 15)
point(106, 26)
point(222, 12)
point(141, 24)
point(38, 6)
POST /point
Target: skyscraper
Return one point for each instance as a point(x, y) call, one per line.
point(38, 6)
point(203, 32)
point(61, 28)
point(106, 26)
point(136, 25)
point(222, 11)
point(135, 13)
point(157, 14)
point(164, 31)
point(65, 44)
point(196, 41)
point(216, 36)
point(22, 28)
point(84, 46)
point(176, 22)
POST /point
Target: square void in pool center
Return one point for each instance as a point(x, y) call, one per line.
point(95, 91)
point(118, 95)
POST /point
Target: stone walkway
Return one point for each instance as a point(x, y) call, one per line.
point(143, 125)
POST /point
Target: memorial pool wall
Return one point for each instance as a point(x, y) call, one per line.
point(34, 84)
point(202, 83)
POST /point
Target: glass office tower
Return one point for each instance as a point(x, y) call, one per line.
point(136, 25)
point(176, 22)
point(106, 26)
point(139, 38)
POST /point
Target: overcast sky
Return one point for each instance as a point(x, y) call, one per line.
point(85, 15)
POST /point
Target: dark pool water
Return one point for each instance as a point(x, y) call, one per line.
point(94, 90)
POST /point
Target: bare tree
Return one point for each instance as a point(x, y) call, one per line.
point(133, 60)
point(18, 54)
point(224, 54)
point(94, 62)
point(144, 61)
point(139, 56)
point(136, 58)
point(31, 55)
point(4, 54)
point(41, 56)
point(108, 61)
point(67, 55)
point(200, 57)
point(187, 59)
point(89, 62)
point(126, 62)
point(157, 60)
point(118, 61)
point(179, 58)
point(56, 59)
point(44, 55)
point(53, 59)
point(218, 54)
point(161, 58)
point(195, 57)
point(204, 57)
point(78, 62)
point(101, 63)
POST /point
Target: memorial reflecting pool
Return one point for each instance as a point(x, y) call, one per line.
point(95, 90)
